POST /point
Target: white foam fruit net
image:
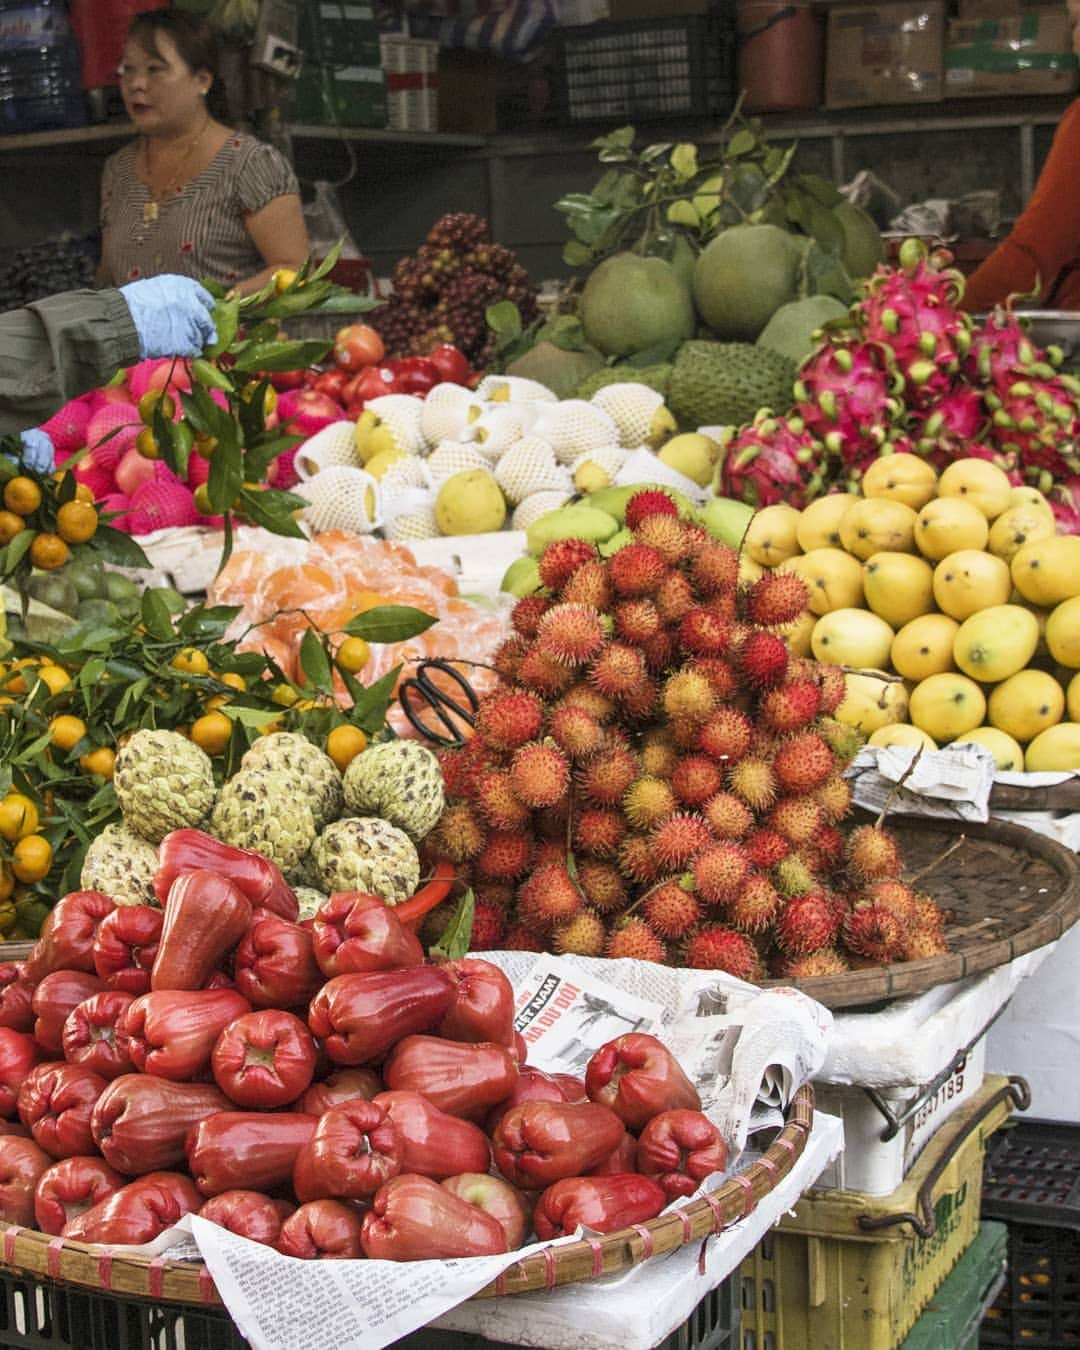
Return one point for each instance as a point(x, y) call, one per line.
point(448, 414)
point(633, 407)
point(342, 498)
point(535, 505)
point(334, 444)
point(410, 515)
point(409, 472)
point(530, 466)
point(573, 426)
point(402, 414)
point(501, 426)
point(514, 389)
point(453, 457)
point(608, 459)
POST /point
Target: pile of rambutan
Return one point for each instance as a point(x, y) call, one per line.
point(658, 777)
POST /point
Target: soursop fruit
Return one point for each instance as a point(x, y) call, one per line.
point(163, 782)
point(267, 811)
point(726, 383)
point(310, 901)
point(367, 854)
point(400, 781)
point(320, 779)
point(656, 377)
point(121, 864)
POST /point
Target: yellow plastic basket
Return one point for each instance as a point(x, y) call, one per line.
point(849, 1271)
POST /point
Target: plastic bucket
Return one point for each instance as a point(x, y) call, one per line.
point(781, 54)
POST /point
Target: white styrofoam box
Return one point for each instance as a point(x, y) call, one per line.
point(872, 1164)
point(478, 561)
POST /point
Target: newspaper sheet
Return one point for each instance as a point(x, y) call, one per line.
point(953, 784)
point(747, 1049)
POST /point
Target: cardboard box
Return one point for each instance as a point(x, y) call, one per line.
point(885, 53)
point(1029, 54)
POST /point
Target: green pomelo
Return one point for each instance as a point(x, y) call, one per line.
point(55, 590)
point(570, 522)
point(613, 500)
point(743, 276)
point(863, 246)
point(121, 590)
point(521, 578)
point(561, 371)
point(656, 377)
point(88, 578)
point(726, 383)
point(791, 329)
point(726, 519)
point(631, 304)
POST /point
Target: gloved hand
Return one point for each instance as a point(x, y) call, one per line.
point(171, 315)
point(38, 452)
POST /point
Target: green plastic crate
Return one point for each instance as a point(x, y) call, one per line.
point(956, 1311)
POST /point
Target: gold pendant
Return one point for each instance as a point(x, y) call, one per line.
point(150, 212)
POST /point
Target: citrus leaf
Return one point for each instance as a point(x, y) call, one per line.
point(390, 623)
point(226, 317)
point(273, 356)
point(117, 548)
point(457, 934)
point(155, 615)
point(684, 161)
point(327, 264)
point(251, 717)
point(314, 662)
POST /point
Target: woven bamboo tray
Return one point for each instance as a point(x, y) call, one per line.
point(26, 1251)
point(1006, 890)
point(1059, 797)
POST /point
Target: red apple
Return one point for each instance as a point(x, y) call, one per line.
point(306, 411)
point(133, 471)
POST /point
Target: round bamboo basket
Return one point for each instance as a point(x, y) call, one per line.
point(1005, 890)
point(29, 1252)
point(1059, 797)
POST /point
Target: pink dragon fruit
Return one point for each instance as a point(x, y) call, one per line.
point(773, 459)
point(1064, 501)
point(911, 311)
point(847, 398)
point(951, 422)
point(1038, 420)
point(1001, 351)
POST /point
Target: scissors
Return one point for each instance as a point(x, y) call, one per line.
point(439, 702)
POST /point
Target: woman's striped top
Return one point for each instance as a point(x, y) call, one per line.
point(200, 230)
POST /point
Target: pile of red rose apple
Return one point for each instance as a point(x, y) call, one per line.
point(318, 1086)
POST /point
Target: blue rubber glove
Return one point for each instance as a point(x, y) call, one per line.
point(171, 315)
point(38, 452)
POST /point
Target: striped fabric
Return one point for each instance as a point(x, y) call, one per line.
point(200, 229)
point(513, 32)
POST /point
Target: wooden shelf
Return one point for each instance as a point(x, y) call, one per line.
point(40, 140)
point(435, 139)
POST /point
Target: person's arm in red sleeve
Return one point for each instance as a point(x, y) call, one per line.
point(1046, 238)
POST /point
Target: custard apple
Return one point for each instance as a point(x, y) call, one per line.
point(121, 864)
point(310, 901)
point(267, 812)
point(163, 782)
point(367, 854)
point(320, 779)
point(400, 781)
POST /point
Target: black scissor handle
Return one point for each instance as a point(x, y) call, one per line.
point(439, 702)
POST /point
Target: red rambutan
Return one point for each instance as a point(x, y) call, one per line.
point(727, 816)
point(636, 941)
point(583, 935)
point(561, 559)
point(497, 801)
point(659, 651)
point(720, 870)
point(725, 735)
point(923, 943)
point(550, 852)
point(755, 906)
point(720, 948)
point(763, 659)
point(833, 688)
point(488, 928)
point(508, 657)
point(499, 894)
point(506, 720)
point(548, 897)
point(679, 839)
point(834, 797)
point(714, 568)
point(519, 938)
point(505, 856)
point(665, 534)
point(776, 598)
point(605, 776)
point(806, 923)
point(658, 753)
point(647, 802)
point(575, 731)
point(583, 695)
point(551, 822)
point(648, 502)
point(695, 779)
point(797, 818)
point(687, 695)
point(828, 845)
point(458, 835)
point(673, 597)
point(539, 774)
point(670, 910)
point(765, 848)
point(875, 932)
point(618, 670)
point(844, 741)
point(802, 763)
point(927, 913)
point(894, 895)
point(589, 586)
point(602, 885)
point(636, 859)
point(599, 831)
point(791, 706)
point(526, 615)
point(753, 782)
point(636, 620)
point(642, 701)
point(703, 632)
point(871, 854)
point(571, 634)
point(636, 569)
point(543, 674)
point(721, 676)
point(827, 961)
point(792, 876)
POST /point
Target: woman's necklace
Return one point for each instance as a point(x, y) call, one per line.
point(151, 209)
